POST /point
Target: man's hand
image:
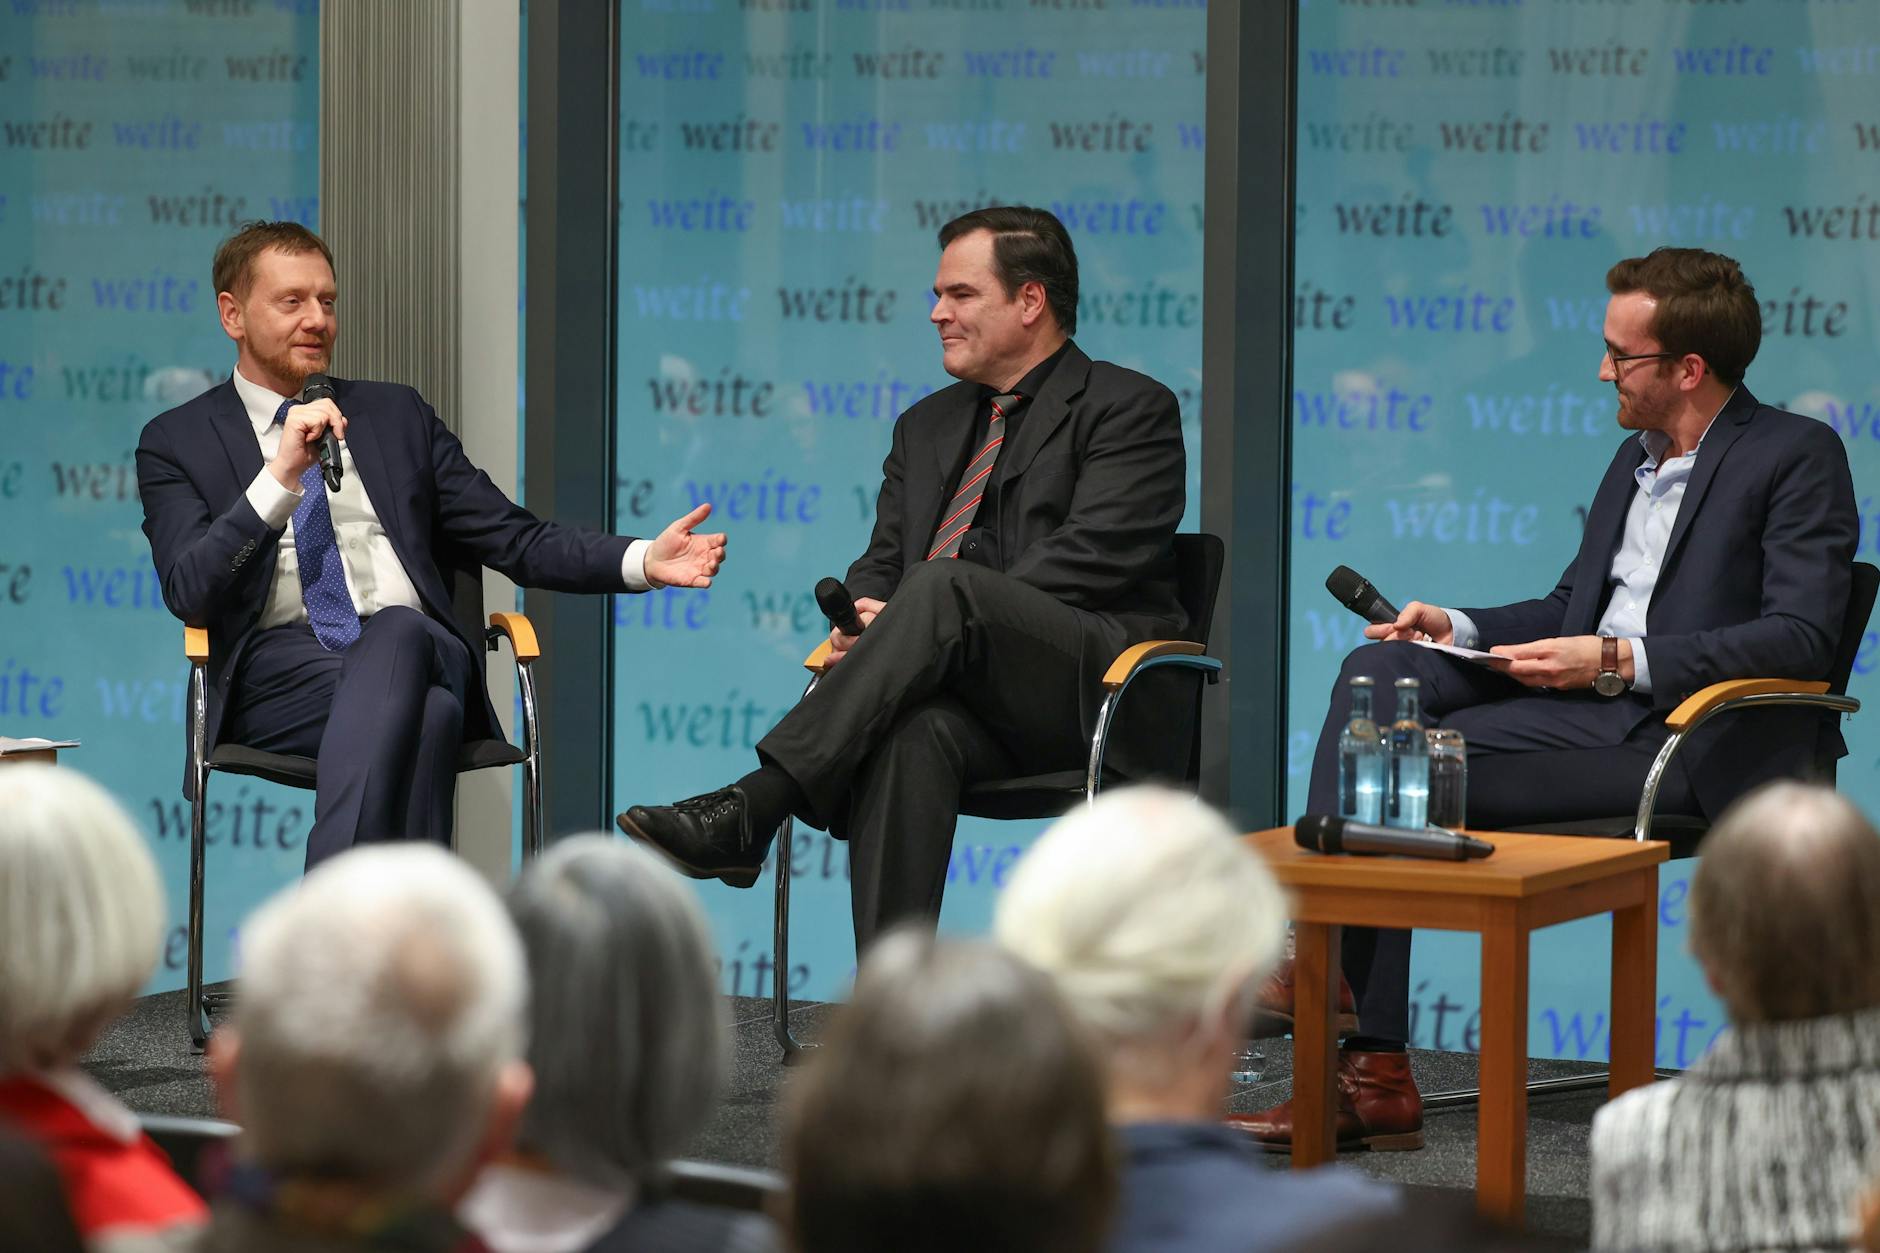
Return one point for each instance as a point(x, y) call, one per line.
point(866, 607)
point(1562, 664)
point(300, 440)
point(678, 558)
point(1417, 621)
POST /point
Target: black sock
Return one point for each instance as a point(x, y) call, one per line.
point(1371, 1044)
point(773, 796)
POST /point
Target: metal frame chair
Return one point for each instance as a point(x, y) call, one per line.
point(1686, 831)
point(1199, 558)
point(301, 772)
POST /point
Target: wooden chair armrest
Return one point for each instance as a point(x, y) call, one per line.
point(1133, 656)
point(1698, 705)
point(521, 633)
point(196, 643)
point(818, 660)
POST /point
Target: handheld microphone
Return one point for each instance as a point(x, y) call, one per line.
point(1355, 593)
point(1323, 833)
point(320, 387)
point(838, 606)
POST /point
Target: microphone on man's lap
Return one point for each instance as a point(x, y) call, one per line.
point(320, 387)
point(1322, 833)
point(838, 606)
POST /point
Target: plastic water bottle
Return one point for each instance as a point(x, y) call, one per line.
point(1407, 803)
point(1361, 759)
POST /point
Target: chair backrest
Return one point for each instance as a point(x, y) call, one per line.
point(725, 1187)
point(1198, 561)
point(1860, 600)
point(188, 1140)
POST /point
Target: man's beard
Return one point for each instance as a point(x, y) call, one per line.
point(289, 367)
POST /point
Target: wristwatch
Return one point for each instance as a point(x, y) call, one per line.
point(1609, 682)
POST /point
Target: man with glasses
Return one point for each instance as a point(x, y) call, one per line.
point(1718, 545)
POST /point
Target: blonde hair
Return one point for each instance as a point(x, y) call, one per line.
point(1148, 910)
point(81, 915)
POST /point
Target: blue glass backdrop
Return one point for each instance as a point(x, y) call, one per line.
point(134, 135)
point(1468, 172)
point(784, 167)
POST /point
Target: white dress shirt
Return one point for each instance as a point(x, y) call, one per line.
point(374, 575)
point(1649, 521)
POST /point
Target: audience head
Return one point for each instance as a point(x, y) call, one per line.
point(377, 1040)
point(1785, 906)
point(1157, 923)
point(627, 1033)
point(81, 915)
point(955, 1104)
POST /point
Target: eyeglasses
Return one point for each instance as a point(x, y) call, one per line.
point(1619, 357)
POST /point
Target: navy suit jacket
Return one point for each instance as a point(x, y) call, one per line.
point(1202, 1188)
point(1754, 584)
point(215, 557)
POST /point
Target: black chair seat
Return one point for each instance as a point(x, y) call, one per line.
point(293, 771)
point(1029, 796)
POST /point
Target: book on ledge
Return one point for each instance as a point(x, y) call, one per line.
point(10, 746)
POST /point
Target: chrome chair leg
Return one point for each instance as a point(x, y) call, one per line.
point(793, 1048)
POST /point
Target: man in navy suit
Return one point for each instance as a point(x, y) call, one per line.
point(330, 629)
point(1719, 545)
point(1024, 536)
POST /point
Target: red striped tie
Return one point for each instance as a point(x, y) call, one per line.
point(958, 516)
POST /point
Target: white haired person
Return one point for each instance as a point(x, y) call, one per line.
point(81, 925)
point(1771, 1138)
point(374, 1059)
point(629, 1045)
point(1157, 923)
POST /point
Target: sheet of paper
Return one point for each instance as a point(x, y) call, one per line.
point(10, 745)
point(1475, 655)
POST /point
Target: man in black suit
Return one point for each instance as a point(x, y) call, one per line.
point(1719, 545)
point(329, 613)
point(1023, 537)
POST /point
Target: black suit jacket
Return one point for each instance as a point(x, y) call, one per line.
point(215, 557)
point(1090, 491)
point(1754, 585)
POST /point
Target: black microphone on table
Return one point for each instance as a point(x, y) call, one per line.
point(1355, 593)
point(838, 606)
point(1323, 833)
point(320, 387)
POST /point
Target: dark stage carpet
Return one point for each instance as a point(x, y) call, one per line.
point(147, 1060)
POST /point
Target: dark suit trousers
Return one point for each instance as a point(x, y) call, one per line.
point(1533, 757)
point(965, 675)
point(384, 719)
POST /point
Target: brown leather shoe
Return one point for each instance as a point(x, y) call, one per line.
point(1273, 1009)
point(1378, 1108)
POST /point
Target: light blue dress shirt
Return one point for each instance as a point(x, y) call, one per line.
point(1634, 573)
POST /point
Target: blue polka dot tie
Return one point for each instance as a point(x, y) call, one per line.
point(322, 578)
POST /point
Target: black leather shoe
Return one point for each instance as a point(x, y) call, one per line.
point(707, 837)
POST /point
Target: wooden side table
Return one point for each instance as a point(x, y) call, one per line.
point(1531, 881)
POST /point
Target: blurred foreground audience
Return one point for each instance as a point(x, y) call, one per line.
point(81, 925)
point(1771, 1139)
point(374, 1059)
point(955, 1105)
point(629, 1045)
point(33, 1213)
point(1158, 923)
